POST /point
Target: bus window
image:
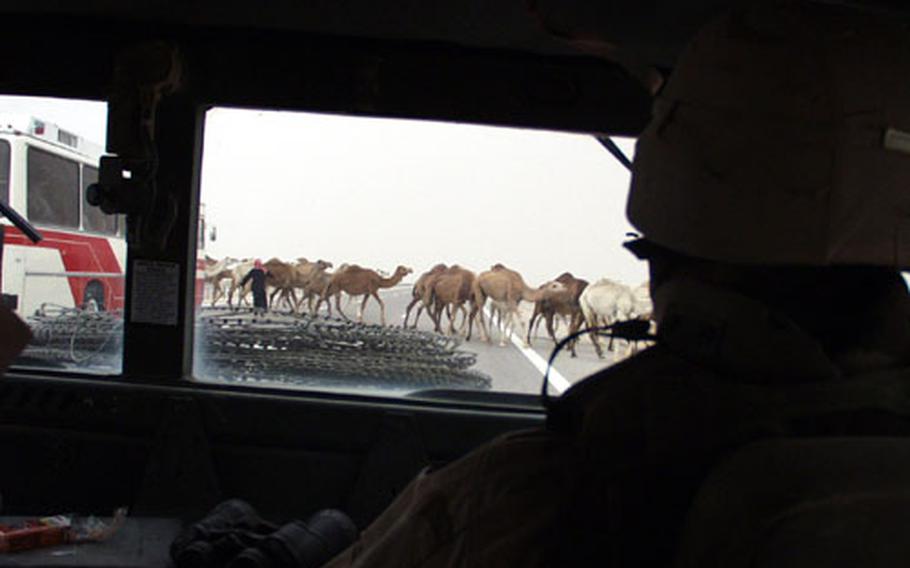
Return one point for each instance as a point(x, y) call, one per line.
point(4, 171)
point(93, 218)
point(53, 189)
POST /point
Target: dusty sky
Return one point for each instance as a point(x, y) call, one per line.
point(381, 192)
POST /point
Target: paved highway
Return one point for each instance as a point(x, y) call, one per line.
point(512, 368)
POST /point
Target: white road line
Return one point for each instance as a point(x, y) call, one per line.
point(556, 380)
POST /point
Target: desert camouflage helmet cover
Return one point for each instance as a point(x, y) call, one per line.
point(782, 137)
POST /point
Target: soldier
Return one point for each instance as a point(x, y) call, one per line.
point(771, 188)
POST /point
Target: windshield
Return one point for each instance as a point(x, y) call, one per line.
point(365, 226)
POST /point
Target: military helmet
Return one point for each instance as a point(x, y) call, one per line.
point(782, 137)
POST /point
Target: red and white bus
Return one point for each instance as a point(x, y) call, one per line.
point(44, 171)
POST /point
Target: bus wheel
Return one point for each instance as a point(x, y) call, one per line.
point(93, 297)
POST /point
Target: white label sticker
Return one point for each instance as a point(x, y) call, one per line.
point(897, 140)
point(155, 292)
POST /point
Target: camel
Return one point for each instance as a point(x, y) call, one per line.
point(418, 291)
point(641, 301)
point(505, 288)
point(281, 276)
point(603, 303)
point(304, 272)
point(642, 308)
point(450, 291)
point(214, 272)
point(314, 289)
point(285, 278)
point(357, 281)
point(564, 303)
point(312, 278)
point(237, 273)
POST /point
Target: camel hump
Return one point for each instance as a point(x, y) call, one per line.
point(606, 282)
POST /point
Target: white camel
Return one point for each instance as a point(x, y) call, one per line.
point(605, 302)
point(215, 272)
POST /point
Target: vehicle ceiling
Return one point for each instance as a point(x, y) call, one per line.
point(654, 29)
point(651, 32)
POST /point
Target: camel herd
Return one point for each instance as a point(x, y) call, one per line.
point(443, 292)
point(313, 279)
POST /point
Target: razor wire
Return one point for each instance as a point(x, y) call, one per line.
point(302, 350)
point(312, 350)
point(62, 335)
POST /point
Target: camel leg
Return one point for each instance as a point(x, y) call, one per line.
point(309, 303)
point(537, 327)
point(272, 296)
point(551, 328)
point(534, 317)
point(381, 307)
point(456, 309)
point(230, 297)
point(505, 327)
point(517, 323)
point(464, 318)
point(338, 305)
point(417, 316)
point(594, 339)
point(363, 305)
point(294, 302)
point(486, 335)
point(473, 312)
point(477, 313)
point(576, 320)
point(450, 312)
point(407, 311)
point(217, 292)
point(438, 309)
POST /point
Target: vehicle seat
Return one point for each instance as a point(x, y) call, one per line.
point(804, 502)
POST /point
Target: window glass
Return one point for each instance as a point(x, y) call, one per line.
point(70, 287)
point(348, 213)
point(53, 189)
point(4, 171)
point(93, 218)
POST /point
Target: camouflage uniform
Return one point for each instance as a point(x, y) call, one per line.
point(614, 472)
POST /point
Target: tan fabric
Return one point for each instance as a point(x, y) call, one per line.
point(609, 483)
point(782, 137)
point(494, 507)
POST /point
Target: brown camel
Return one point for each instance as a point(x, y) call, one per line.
point(565, 304)
point(314, 289)
point(280, 276)
point(449, 292)
point(285, 278)
point(304, 272)
point(418, 291)
point(505, 288)
point(357, 281)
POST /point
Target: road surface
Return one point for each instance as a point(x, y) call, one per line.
point(513, 366)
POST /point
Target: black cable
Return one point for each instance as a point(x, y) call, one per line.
point(631, 330)
point(20, 223)
point(611, 146)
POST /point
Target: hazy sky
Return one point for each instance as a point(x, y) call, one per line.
point(382, 192)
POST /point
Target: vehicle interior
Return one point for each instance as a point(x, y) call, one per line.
point(153, 439)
